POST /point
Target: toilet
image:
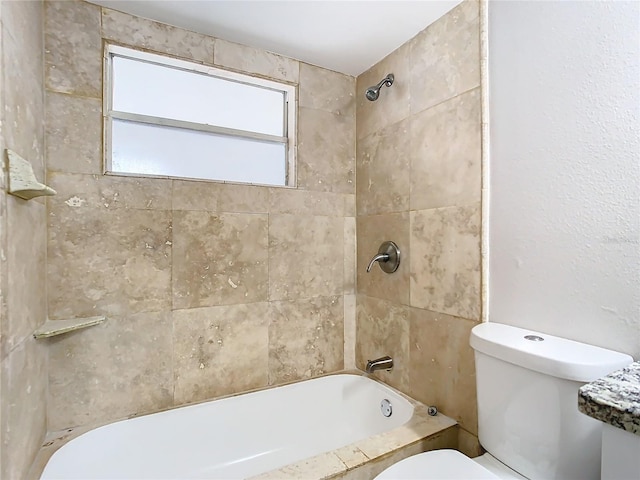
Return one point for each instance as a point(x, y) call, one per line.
point(528, 419)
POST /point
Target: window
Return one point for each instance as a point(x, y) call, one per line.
point(171, 118)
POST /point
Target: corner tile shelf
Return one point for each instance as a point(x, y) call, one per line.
point(22, 180)
point(51, 328)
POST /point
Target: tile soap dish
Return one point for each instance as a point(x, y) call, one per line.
point(22, 180)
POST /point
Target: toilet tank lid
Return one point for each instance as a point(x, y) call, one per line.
point(555, 356)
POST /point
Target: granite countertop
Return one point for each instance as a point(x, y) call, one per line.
point(614, 399)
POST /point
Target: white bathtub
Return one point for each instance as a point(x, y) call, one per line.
point(236, 437)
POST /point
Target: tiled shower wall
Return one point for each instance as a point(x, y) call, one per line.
point(208, 289)
point(419, 184)
point(22, 241)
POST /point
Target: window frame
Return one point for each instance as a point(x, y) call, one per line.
point(289, 90)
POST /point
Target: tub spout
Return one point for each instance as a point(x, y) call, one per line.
point(382, 363)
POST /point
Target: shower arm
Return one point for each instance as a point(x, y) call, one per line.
point(387, 81)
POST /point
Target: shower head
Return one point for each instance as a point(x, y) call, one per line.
point(373, 93)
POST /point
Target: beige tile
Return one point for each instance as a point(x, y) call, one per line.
point(306, 338)
point(251, 60)
point(23, 420)
point(468, 444)
point(191, 195)
point(446, 154)
point(445, 260)
point(107, 261)
point(320, 467)
point(24, 254)
point(219, 259)
point(74, 133)
point(73, 48)
point(219, 197)
point(306, 256)
point(243, 199)
point(423, 431)
point(149, 35)
point(304, 202)
point(220, 350)
point(23, 21)
point(119, 368)
point(326, 151)
point(350, 205)
point(351, 456)
point(349, 255)
point(326, 90)
point(394, 102)
point(86, 192)
point(382, 328)
point(371, 232)
point(383, 174)
point(349, 332)
point(442, 368)
point(23, 106)
point(445, 57)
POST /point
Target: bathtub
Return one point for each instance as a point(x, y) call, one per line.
point(236, 437)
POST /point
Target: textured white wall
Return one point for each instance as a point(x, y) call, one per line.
point(564, 224)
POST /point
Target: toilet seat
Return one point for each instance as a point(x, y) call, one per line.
point(436, 465)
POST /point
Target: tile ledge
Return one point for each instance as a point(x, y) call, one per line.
point(51, 328)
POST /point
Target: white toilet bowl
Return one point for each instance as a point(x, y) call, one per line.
point(448, 465)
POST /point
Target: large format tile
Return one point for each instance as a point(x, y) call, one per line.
point(22, 105)
point(349, 255)
point(349, 332)
point(220, 350)
point(74, 133)
point(371, 232)
point(445, 253)
point(326, 151)
point(108, 192)
point(382, 328)
point(442, 368)
point(306, 338)
point(23, 420)
point(24, 253)
point(305, 256)
point(446, 154)
point(306, 202)
point(251, 60)
point(149, 35)
point(119, 368)
point(219, 197)
point(383, 174)
point(445, 57)
point(218, 259)
point(107, 261)
point(73, 48)
point(326, 90)
point(393, 104)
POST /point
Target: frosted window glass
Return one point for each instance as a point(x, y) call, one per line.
point(174, 152)
point(160, 91)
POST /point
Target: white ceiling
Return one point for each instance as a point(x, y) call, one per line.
point(345, 36)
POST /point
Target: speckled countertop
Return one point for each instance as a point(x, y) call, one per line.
point(614, 399)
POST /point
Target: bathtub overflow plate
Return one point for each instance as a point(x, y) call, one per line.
point(385, 407)
point(534, 338)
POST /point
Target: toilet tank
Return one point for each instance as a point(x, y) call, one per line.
point(527, 385)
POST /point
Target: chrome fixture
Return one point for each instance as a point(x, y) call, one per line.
point(382, 363)
point(388, 256)
point(386, 408)
point(373, 93)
